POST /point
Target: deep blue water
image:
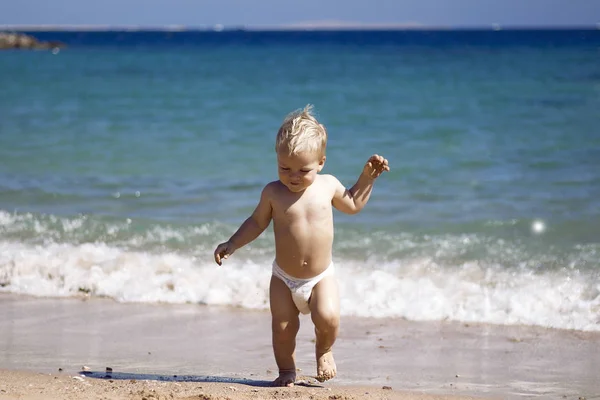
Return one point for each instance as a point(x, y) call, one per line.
point(396, 38)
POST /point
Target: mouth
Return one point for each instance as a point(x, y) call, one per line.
point(294, 186)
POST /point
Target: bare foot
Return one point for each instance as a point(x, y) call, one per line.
point(286, 378)
point(326, 368)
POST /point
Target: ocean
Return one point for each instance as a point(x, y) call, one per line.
point(128, 156)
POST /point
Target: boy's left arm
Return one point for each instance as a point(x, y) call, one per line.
point(351, 201)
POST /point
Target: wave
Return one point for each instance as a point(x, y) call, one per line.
point(469, 278)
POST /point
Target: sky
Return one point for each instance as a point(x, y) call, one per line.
point(198, 13)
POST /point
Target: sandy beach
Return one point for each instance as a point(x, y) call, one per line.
point(61, 349)
point(29, 385)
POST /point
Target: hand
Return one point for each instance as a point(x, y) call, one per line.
point(375, 166)
point(223, 251)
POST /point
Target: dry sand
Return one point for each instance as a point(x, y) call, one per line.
point(190, 351)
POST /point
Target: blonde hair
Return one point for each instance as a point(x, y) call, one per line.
point(301, 132)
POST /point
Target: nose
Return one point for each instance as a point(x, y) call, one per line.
point(294, 178)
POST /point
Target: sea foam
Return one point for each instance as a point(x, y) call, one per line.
point(416, 289)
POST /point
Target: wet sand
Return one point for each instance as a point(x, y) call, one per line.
point(37, 386)
point(189, 350)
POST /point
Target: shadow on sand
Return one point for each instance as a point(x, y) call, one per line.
point(307, 382)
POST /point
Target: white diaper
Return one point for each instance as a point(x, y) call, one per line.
point(301, 289)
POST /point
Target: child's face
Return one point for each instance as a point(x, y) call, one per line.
point(299, 171)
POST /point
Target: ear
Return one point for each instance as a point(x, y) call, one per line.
point(321, 164)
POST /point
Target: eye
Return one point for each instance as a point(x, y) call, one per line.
point(304, 171)
point(284, 168)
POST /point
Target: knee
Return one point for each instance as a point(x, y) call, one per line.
point(283, 330)
point(326, 321)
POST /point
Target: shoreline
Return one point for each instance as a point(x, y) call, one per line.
point(226, 346)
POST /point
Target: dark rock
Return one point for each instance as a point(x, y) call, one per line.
point(22, 41)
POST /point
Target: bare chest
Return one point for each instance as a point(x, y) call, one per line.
point(303, 210)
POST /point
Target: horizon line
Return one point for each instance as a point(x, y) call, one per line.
point(300, 26)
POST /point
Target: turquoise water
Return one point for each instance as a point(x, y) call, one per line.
point(127, 161)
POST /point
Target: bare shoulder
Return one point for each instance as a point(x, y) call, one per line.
point(272, 189)
point(330, 180)
point(331, 185)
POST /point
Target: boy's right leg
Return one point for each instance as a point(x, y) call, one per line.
point(285, 324)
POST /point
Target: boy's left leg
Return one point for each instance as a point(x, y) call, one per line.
point(325, 313)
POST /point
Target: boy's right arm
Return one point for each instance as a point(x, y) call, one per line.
point(250, 229)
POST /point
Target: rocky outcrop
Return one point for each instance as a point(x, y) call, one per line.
point(23, 41)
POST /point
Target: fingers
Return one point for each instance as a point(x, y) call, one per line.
point(377, 159)
point(221, 253)
point(378, 164)
point(219, 257)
